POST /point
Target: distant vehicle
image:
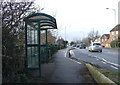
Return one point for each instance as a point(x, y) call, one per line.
point(95, 47)
point(82, 46)
point(74, 45)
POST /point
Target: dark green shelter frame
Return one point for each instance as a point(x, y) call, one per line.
point(35, 51)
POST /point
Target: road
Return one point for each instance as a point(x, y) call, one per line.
point(107, 59)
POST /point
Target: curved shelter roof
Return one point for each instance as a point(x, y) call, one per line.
point(46, 21)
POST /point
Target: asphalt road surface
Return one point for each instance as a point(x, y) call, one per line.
point(107, 59)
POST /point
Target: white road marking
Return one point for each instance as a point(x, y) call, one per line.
point(114, 67)
point(103, 62)
point(97, 59)
point(95, 56)
point(65, 53)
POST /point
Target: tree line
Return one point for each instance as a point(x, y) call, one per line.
point(91, 36)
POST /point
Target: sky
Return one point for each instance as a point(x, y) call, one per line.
point(76, 18)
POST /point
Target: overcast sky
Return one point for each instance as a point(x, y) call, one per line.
point(79, 17)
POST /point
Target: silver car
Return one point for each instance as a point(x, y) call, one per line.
point(95, 47)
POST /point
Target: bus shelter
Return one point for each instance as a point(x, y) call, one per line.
point(36, 26)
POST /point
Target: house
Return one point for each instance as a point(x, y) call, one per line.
point(114, 34)
point(104, 39)
point(97, 40)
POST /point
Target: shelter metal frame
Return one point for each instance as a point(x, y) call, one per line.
point(34, 24)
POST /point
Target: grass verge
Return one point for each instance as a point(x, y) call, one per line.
point(112, 75)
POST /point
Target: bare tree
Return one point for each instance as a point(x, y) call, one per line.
point(13, 37)
point(86, 41)
point(92, 35)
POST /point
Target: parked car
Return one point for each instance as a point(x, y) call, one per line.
point(82, 46)
point(95, 47)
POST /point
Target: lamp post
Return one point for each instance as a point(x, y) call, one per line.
point(65, 33)
point(114, 13)
point(65, 37)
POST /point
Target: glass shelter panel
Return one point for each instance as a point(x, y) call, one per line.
point(32, 35)
point(43, 37)
point(32, 46)
point(43, 54)
point(32, 56)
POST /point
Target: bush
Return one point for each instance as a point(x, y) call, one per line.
point(53, 49)
point(115, 44)
point(13, 38)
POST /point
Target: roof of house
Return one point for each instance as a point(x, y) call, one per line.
point(96, 38)
point(116, 28)
point(107, 35)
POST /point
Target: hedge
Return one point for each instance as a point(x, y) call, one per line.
point(115, 44)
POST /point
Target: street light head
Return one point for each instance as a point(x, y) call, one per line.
point(41, 9)
point(107, 8)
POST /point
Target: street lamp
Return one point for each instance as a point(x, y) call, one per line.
point(65, 37)
point(40, 9)
point(65, 33)
point(114, 13)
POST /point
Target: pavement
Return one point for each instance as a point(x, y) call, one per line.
point(65, 70)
